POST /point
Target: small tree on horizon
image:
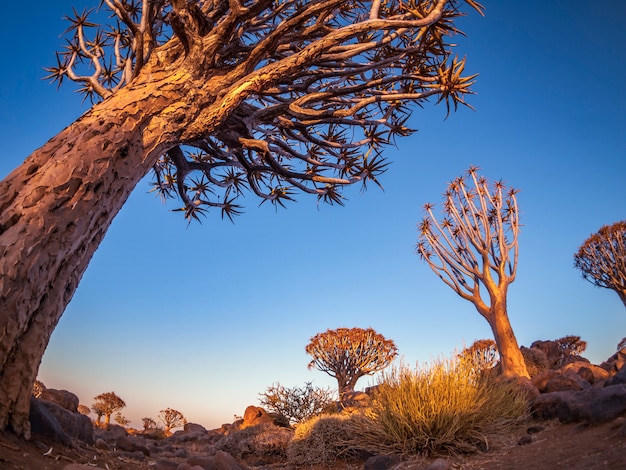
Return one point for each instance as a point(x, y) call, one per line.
point(473, 249)
point(121, 419)
point(348, 354)
point(106, 404)
point(171, 419)
point(148, 423)
point(84, 410)
point(602, 259)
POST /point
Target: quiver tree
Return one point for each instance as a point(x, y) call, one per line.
point(473, 249)
point(171, 419)
point(105, 405)
point(148, 423)
point(482, 355)
point(217, 98)
point(348, 354)
point(602, 258)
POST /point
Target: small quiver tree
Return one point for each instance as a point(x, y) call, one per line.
point(296, 404)
point(171, 419)
point(602, 258)
point(106, 404)
point(473, 249)
point(148, 423)
point(348, 354)
point(482, 355)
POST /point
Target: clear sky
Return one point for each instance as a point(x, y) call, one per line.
point(204, 318)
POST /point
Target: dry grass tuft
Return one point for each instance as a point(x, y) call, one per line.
point(442, 408)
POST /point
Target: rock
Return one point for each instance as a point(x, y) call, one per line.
point(618, 378)
point(524, 440)
point(130, 444)
point(192, 428)
point(164, 465)
point(77, 466)
point(535, 359)
point(439, 464)
point(112, 433)
point(44, 424)
point(569, 380)
point(535, 429)
point(541, 380)
point(224, 461)
point(381, 462)
point(74, 424)
point(552, 350)
point(102, 444)
point(254, 415)
point(63, 398)
point(615, 362)
point(354, 399)
point(593, 405)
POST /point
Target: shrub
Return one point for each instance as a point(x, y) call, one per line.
point(445, 407)
point(293, 405)
point(323, 440)
point(263, 440)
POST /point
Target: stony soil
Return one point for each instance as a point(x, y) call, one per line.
point(571, 446)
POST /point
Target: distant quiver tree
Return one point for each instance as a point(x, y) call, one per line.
point(216, 98)
point(602, 258)
point(347, 354)
point(171, 418)
point(473, 248)
point(106, 404)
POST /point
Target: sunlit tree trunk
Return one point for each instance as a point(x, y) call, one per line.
point(54, 211)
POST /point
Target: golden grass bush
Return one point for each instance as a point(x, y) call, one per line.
point(323, 440)
point(444, 407)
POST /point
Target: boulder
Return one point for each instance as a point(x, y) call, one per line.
point(63, 398)
point(615, 362)
point(593, 405)
point(381, 462)
point(618, 378)
point(45, 425)
point(535, 359)
point(254, 415)
point(192, 428)
point(552, 350)
point(589, 372)
point(568, 380)
point(541, 380)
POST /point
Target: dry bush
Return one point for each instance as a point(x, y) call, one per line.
point(483, 354)
point(262, 440)
point(441, 408)
point(296, 404)
point(323, 440)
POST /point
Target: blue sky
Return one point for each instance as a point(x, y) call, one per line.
point(203, 318)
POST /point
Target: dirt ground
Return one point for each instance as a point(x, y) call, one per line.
point(569, 446)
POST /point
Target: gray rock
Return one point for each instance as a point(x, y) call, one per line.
point(63, 398)
point(74, 424)
point(568, 380)
point(381, 462)
point(593, 405)
point(439, 464)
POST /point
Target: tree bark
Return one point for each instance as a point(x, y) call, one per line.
point(511, 359)
point(56, 208)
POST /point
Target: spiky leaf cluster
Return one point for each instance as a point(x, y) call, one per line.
point(602, 258)
point(313, 128)
point(474, 243)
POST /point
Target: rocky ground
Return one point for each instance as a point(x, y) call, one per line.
point(564, 389)
point(571, 446)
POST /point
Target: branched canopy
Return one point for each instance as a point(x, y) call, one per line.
point(106, 404)
point(482, 354)
point(475, 242)
point(602, 258)
point(171, 418)
point(350, 353)
point(319, 86)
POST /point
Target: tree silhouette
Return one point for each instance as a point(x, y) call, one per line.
point(217, 98)
point(171, 419)
point(148, 423)
point(602, 258)
point(348, 354)
point(106, 404)
point(473, 249)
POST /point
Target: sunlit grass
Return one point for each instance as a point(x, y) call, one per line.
point(442, 407)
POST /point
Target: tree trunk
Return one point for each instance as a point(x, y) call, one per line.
point(55, 210)
point(511, 359)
